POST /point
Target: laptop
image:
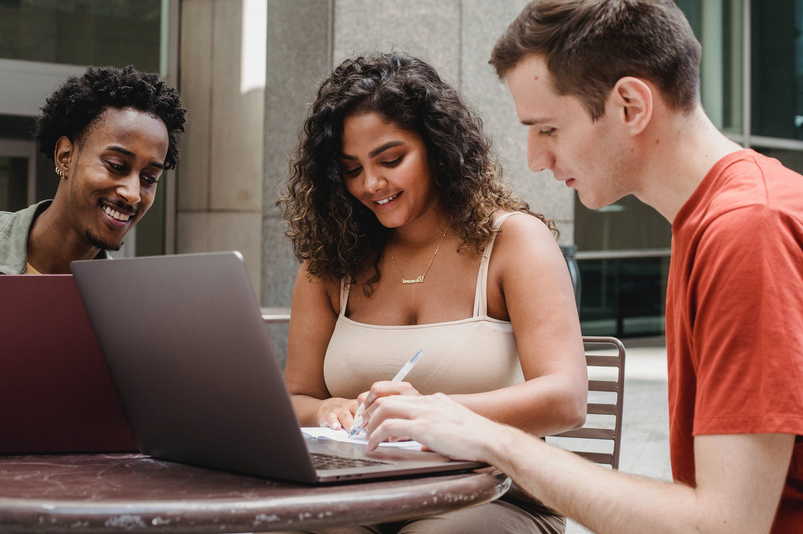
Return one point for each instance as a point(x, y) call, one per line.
point(56, 395)
point(198, 377)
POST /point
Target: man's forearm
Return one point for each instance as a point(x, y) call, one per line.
point(739, 477)
point(614, 502)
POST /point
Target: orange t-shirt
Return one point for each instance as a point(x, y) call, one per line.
point(734, 316)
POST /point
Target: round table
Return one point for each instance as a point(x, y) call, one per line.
point(135, 493)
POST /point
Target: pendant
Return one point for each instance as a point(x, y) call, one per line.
point(419, 280)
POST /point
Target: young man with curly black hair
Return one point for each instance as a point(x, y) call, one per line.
point(111, 133)
point(609, 93)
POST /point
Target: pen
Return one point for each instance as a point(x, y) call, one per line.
point(357, 425)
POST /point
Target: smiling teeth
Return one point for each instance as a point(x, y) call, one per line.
point(383, 202)
point(115, 214)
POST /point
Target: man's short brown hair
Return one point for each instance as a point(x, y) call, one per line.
point(589, 45)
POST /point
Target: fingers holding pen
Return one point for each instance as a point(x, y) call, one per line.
point(396, 386)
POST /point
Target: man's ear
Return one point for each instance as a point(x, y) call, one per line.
point(632, 99)
point(64, 155)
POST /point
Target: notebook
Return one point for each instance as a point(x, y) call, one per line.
point(199, 381)
point(55, 391)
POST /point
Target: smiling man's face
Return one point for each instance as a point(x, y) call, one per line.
point(112, 174)
point(588, 156)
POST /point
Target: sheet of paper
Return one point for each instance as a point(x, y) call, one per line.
point(343, 435)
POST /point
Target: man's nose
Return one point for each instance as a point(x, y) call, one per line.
point(129, 189)
point(539, 157)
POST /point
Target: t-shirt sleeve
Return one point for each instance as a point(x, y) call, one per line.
point(747, 324)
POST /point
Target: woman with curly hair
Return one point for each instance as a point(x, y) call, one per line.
point(409, 239)
point(110, 134)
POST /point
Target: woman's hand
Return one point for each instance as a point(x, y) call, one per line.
point(337, 413)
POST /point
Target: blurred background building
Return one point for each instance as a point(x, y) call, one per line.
point(247, 70)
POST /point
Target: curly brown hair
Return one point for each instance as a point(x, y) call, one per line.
point(80, 100)
point(331, 230)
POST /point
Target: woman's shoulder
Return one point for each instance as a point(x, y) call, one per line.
point(520, 233)
point(521, 224)
point(308, 282)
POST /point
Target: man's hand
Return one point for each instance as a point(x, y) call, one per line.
point(739, 477)
point(438, 422)
point(380, 390)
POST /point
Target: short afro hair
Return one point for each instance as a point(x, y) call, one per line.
point(79, 101)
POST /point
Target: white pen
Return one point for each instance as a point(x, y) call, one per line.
point(357, 425)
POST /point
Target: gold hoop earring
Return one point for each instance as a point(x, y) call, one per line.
point(61, 173)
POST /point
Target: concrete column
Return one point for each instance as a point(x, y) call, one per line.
point(221, 171)
point(299, 55)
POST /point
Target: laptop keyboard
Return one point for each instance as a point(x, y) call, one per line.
point(328, 461)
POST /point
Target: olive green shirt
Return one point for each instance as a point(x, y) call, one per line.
point(14, 230)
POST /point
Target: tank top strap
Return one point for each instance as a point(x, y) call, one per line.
point(344, 296)
point(481, 294)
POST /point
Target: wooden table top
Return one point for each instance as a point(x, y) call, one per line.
point(91, 493)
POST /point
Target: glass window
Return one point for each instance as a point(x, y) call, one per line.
point(623, 294)
point(718, 26)
point(628, 224)
point(624, 297)
point(777, 67)
point(82, 32)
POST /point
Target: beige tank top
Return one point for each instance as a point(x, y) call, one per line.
point(471, 355)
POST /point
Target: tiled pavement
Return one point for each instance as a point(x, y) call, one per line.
point(645, 423)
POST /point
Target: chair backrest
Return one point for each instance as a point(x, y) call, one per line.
point(601, 437)
point(275, 315)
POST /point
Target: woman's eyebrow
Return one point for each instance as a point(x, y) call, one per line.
point(389, 144)
point(375, 152)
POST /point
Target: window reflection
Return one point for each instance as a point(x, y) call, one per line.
point(82, 32)
point(628, 224)
point(718, 24)
point(777, 69)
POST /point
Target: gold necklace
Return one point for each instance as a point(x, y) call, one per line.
point(420, 279)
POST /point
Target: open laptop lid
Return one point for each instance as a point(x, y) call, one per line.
point(55, 391)
point(194, 365)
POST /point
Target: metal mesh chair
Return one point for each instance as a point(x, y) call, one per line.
point(600, 438)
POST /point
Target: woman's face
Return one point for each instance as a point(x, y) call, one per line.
point(386, 168)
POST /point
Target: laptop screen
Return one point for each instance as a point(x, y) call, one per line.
point(55, 391)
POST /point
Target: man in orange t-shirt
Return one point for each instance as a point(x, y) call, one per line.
point(609, 91)
point(735, 315)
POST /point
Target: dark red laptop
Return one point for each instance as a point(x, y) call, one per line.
point(55, 390)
